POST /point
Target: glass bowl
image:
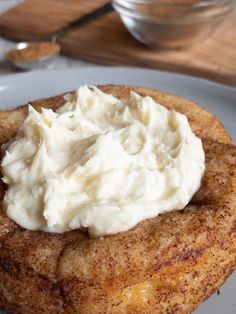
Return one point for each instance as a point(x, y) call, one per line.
point(172, 24)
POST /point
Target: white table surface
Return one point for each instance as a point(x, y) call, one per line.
point(5, 68)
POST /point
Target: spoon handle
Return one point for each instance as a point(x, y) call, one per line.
point(101, 11)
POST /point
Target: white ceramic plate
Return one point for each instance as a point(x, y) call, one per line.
point(219, 99)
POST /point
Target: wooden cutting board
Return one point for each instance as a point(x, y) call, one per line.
point(107, 41)
point(36, 19)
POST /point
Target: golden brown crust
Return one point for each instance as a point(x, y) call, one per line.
point(167, 265)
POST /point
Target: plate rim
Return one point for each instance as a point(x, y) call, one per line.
point(24, 74)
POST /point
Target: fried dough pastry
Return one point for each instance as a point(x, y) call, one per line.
point(165, 265)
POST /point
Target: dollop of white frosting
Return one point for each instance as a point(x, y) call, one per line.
point(100, 163)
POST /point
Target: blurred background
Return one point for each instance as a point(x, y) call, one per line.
point(7, 44)
point(195, 37)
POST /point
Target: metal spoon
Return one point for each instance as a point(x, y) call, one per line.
point(39, 63)
point(45, 61)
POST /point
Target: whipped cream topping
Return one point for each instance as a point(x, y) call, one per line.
point(101, 164)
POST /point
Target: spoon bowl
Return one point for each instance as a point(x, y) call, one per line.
point(31, 63)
